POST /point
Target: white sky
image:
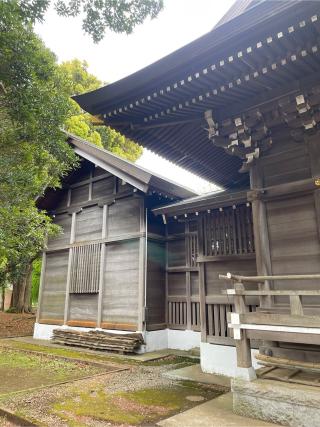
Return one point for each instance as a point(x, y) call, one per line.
point(117, 56)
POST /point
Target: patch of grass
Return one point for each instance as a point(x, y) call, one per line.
point(134, 408)
point(20, 371)
point(70, 353)
point(182, 361)
point(98, 406)
point(98, 357)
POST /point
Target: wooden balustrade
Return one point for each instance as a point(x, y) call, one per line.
point(180, 309)
point(267, 324)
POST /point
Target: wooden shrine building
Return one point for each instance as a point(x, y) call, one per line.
point(240, 106)
point(107, 269)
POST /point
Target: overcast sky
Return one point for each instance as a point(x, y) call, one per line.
point(117, 56)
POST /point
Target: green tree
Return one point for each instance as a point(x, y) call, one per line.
point(34, 104)
point(81, 124)
point(120, 16)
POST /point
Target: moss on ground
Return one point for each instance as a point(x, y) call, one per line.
point(21, 371)
point(98, 357)
point(144, 406)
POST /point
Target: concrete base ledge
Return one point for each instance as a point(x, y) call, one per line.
point(287, 404)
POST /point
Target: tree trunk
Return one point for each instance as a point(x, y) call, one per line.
point(21, 291)
point(3, 294)
point(15, 294)
point(27, 306)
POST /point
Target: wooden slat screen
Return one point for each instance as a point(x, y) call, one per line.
point(85, 268)
point(228, 231)
point(177, 314)
point(195, 316)
point(192, 249)
point(217, 323)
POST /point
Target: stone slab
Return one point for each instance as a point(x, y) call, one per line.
point(214, 413)
point(194, 373)
point(288, 404)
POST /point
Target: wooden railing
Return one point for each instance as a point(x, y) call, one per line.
point(217, 315)
point(266, 324)
point(183, 313)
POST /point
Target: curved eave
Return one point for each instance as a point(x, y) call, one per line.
point(171, 65)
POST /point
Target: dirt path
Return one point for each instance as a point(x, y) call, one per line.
point(16, 325)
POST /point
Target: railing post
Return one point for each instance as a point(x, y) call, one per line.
point(244, 369)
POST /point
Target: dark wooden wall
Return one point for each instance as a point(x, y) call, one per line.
point(182, 276)
point(226, 244)
point(292, 211)
point(94, 208)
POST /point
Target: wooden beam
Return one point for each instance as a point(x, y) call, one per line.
point(41, 287)
point(142, 268)
point(102, 264)
point(202, 284)
point(67, 296)
point(260, 318)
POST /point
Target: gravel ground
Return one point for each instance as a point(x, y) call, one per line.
point(37, 405)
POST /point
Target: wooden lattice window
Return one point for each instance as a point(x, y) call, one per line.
point(228, 231)
point(85, 269)
point(192, 249)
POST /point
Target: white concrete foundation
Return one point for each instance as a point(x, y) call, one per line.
point(183, 340)
point(155, 340)
point(221, 359)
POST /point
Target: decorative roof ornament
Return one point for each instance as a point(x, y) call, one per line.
point(245, 136)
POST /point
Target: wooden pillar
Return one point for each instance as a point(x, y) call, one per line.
point(261, 233)
point(202, 284)
point(188, 279)
point(244, 361)
point(67, 298)
point(166, 277)
point(102, 263)
point(41, 287)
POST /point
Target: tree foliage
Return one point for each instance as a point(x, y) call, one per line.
point(34, 104)
point(81, 124)
point(120, 16)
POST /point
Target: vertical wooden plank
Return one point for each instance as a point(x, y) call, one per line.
point(216, 315)
point(90, 186)
point(202, 285)
point(222, 310)
point(198, 313)
point(69, 198)
point(295, 305)
point(215, 238)
point(210, 320)
point(104, 232)
point(234, 233)
point(249, 228)
point(41, 287)
point(67, 298)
